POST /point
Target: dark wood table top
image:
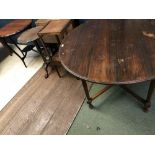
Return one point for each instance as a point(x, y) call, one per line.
point(14, 27)
point(42, 22)
point(29, 35)
point(111, 51)
point(55, 27)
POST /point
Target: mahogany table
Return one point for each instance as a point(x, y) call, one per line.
point(112, 52)
point(11, 29)
point(56, 28)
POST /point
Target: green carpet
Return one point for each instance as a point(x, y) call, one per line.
point(116, 113)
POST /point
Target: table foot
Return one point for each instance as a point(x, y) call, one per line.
point(46, 75)
point(90, 105)
point(147, 106)
point(11, 49)
point(46, 70)
point(24, 62)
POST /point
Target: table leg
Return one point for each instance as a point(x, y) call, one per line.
point(146, 102)
point(46, 70)
point(49, 61)
point(43, 57)
point(39, 50)
point(56, 68)
point(10, 49)
point(58, 40)
point(147, 105)
point(89, 99)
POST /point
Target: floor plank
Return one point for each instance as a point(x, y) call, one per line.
point(43, 106)
point(14, 75)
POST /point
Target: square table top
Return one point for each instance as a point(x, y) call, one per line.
point(55, 27)
point(42, 22)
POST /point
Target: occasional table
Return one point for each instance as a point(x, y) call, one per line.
point(30, 38)
point(55, 28)
point(11, 29)
point(112, 52)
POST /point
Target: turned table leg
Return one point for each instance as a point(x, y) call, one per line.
point(147, 104)
point(89, 99)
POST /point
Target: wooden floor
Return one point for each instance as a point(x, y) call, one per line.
point(13, 74)
point(43, 106)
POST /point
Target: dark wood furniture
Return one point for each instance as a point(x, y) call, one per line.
point(31, 39)
point(42, 22)
point(11, 29)
point(112, 52)
point(56, 28)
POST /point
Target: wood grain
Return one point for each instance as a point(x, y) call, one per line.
point(111, 51)
point(42, 22)
point(43, 106)
point(55, 27)
point(29, 35)
point(14, 27)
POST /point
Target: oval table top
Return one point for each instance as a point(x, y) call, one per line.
point(111, 51)
point(14, 27)
point(29, 35)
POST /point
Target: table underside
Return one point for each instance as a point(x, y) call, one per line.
point(146, 102)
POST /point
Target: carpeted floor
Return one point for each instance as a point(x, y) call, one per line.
point(116, 113)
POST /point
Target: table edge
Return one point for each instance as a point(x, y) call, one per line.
point(100, 82)
point(17, 31)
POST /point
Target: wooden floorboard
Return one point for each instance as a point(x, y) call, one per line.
point(43, 106)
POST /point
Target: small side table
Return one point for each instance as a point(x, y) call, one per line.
point(31, 39)
point(12, 29)
point(55, 28)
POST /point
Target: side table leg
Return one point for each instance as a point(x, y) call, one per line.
point(16, 46)
point(46, 70)
point(89, 99)
point(56, 68)
point(149, 96)
point(58, 40)
point(39, 50)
